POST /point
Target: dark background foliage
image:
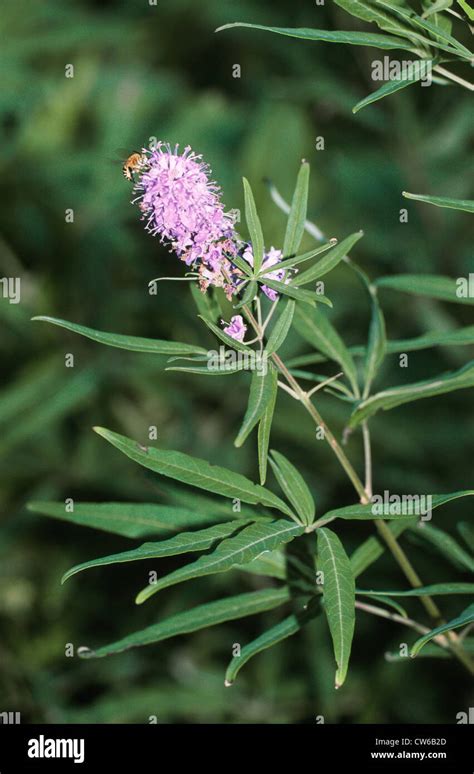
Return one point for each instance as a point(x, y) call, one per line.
point(144, 70)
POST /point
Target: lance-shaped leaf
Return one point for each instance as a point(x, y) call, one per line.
point(132, 520)
point(431, 285)
point(297, 216)
point(254, 227)
point(466, 530)
point(330, 260)
point(435, 589)
point(306, 296)
point(132, 343)
point(281, 328)
point(194, 471)
point(406, 507)
point(294, 260)
point(397, 396)
point(330, 36)
point(318, 331)
point(183, 543)
point(437, 32)
point(216, 365)
point(201, 617)
point(264, 429)
point(432, 651)
point(466, 205)
point(465, 618)
point(461, 337)
point(446, 545)
point(281, 631)
point(240, 549)
point(262, 391)
point(376, 342)
point(408, 78)
point(339, 597)
point(294, 487)
point(369, 12)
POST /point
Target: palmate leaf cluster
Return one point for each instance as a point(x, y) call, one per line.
point(254, 528)
point(423, 31)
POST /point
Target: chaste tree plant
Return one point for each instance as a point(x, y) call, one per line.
point(281, 537)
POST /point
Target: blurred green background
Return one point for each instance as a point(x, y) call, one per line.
point(142, 70)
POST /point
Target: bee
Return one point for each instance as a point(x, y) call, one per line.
point(133, 164)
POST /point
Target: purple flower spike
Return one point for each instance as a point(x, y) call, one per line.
point(182, 205)
point(236, 328)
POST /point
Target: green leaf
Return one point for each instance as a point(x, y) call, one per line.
point(370, 13)
point(432, 651)
point(201, 617)
point(262, 391)
point(460, 337)
point(436, 7)
point(195, 472)
point(377, 342)
point(242, 265)
point(330, 261)
point(339, 597)
point(183, 543)
point(436, 589)
point(132, 343)
point(228, 340)
point(240, 549)
point(297, 216)
point(372, 549)
point(294, 487)
point(454, 46)
point(466, 617)
point(224, 368)
point(431, 285)
point(132, 520)
point(330, 36)
point(264, 429)
point(281, 328)
point(294, 260)
point(272, 636)
point(372, 510)
point(446, 545)
point(306, 296)
point(466, 205)
point(318, 331)
point(254, 227)
point(408, 79)
point(468, 10)
point(397, 396)
point(466, 530)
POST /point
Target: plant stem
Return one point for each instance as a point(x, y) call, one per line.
point(368, 459)
point(410, 573)
point(328, 435)
point(453, 77)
